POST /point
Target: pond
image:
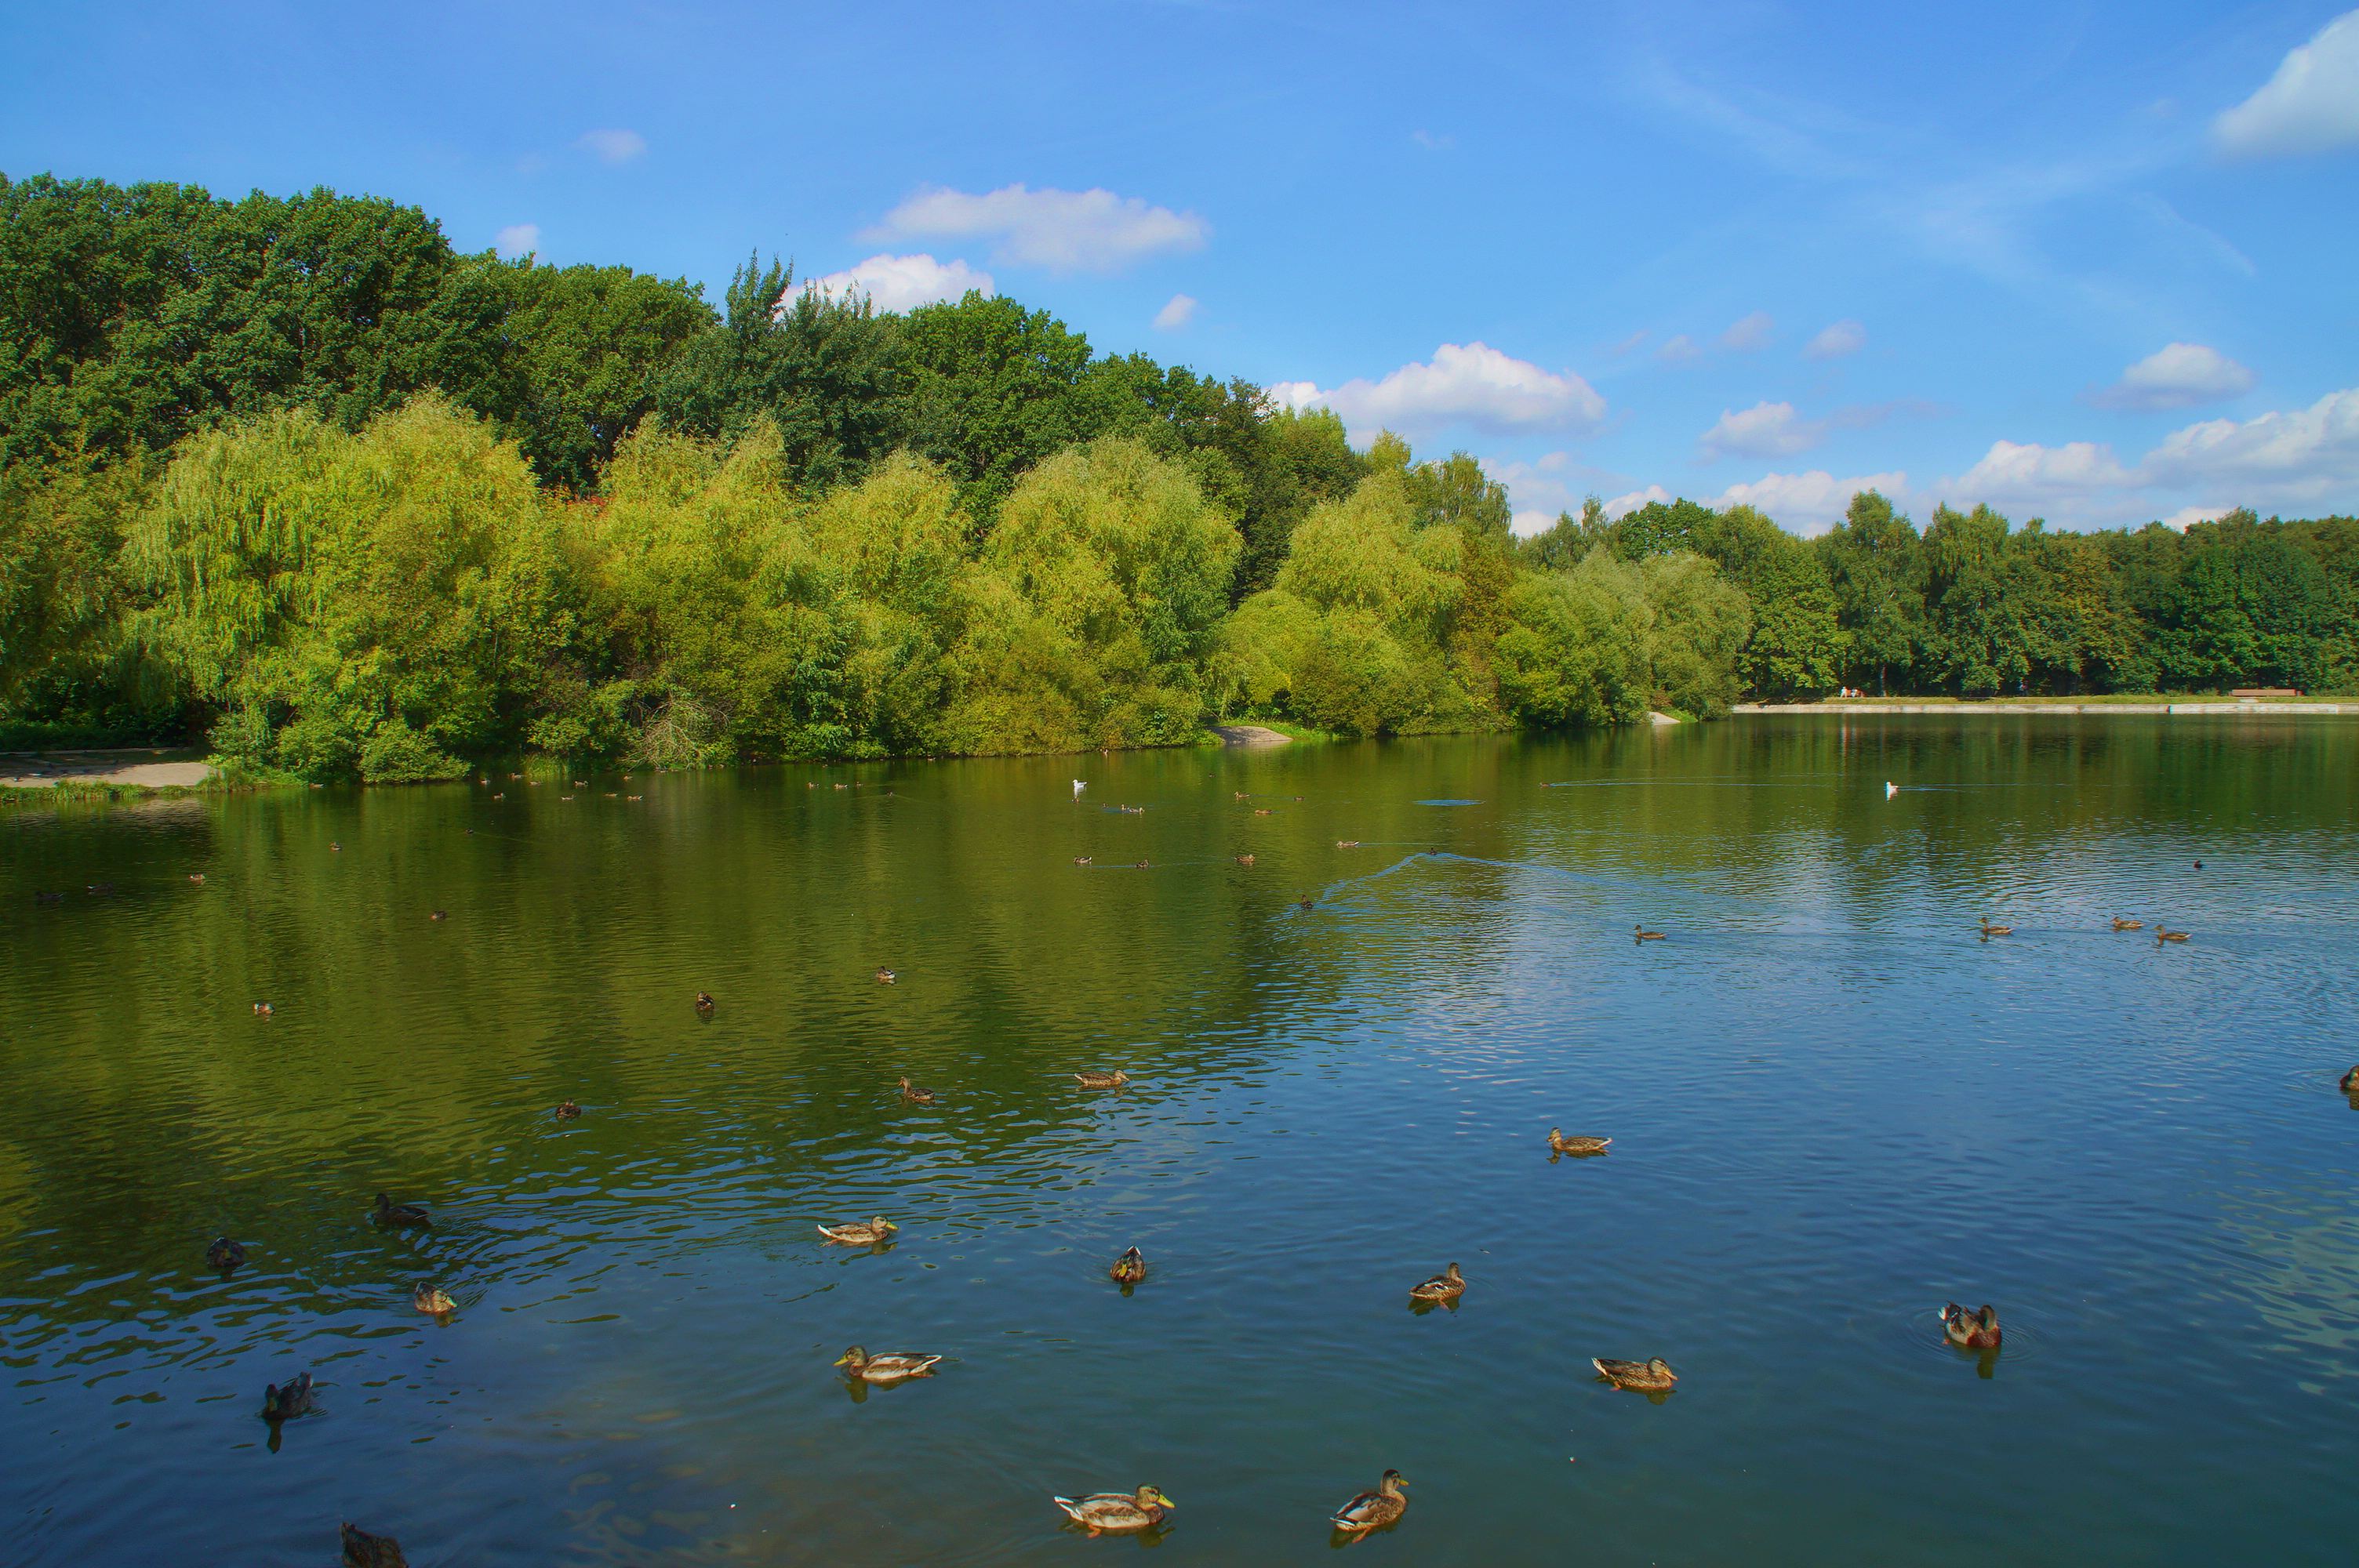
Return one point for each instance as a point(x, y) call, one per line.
point(1834, 1106)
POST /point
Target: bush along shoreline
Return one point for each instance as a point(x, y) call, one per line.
point(292, 479)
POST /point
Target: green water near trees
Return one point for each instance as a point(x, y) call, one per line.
point(1834, 1108)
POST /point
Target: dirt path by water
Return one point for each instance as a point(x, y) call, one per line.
point(150, 767)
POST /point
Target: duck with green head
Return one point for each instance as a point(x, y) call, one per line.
point(896, 1367)
point(1971, 1330)
point(1129, 1269)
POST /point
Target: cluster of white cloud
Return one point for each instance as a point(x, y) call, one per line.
point(1063, 231)
point(1472, 384)
point(2178, 375)
point(903, 281)
point(518, 240)
point(2311, 105)
point(1177, 312)
point(1835, 340)
point(614, 145)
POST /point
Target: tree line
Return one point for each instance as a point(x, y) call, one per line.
point(296, 475)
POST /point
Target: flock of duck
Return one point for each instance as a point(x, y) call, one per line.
point(1148, 1507)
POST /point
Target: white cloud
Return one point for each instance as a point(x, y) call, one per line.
point(1432, 143)
point(1065, 231)
point(2176, 376)
point(2027, 473)
point(1623, 505)
point(615, 146)
point(2187, 517)
point(1809, 503)
point(1836, 339)
point(1749, 332)
point(1678, 349)
point(904, 283)
point(1177, 312)
point(517, 239)
point(2311, 105)
point(2310, 454)
point(1628, 344)
point(1764, 431)
point(1474, 385)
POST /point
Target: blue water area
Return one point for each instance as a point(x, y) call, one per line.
point(1834, 1104)
point(1450, 802)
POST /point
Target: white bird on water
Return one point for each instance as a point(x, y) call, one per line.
point(1890, 789)
point(1078, 788)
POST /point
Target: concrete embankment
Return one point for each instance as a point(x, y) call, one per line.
point(2001, 710)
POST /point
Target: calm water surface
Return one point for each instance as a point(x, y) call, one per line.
point(1833, 1109)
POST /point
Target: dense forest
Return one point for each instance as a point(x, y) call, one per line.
point(295, 476)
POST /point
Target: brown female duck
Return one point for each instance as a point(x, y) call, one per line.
point(1446, 1286)
point(1129, 1269)
point(1649, 1377)
point(1376, 1510)
point(915, 1095)
point(432, 1300)
point(225, 1254)
point(860, 1232)
point(399, 1214)
point(1969, 1330)
point(1099, 1078)
point(363, 1550)
point(1577, 1144)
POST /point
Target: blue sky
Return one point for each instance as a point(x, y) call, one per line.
point(2090, 262)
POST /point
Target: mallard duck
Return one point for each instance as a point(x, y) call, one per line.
point(2165, 934)
point(1080, 860)
point(2121, 924)
point(1099, 1078)
point(1101, 1512)
point(432, 1300)
point(885, 977)
point(1132, 810)
point(363, 1550)
point(860, 1232)
point(1446, 1286)
point(568, 1110)
point(1244, 860)
point(1261, 811)
point(1577, 1144)
point(1652, 1377)
point(1129, 1269)
point(898, 1366)
point(334, 847)
point(440, 914)
point(1243, 795)
point(1969, 1330)
point(1141, 866)
point(1347, 843)
point(400, 1214)
point(40, 897)
point(98, 890)
point(1988, 930)
point(915, 1095)
point(704, 1002)
point(263, 1010)
point(1640, 933)
point(1375, 1510)
point(196, 876)
point(2350, 1082)
point(629, 797)
point(1308, 900)
point(225, 1254)
point(283, 1404)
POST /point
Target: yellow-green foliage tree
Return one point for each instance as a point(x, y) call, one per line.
point(1350, 637)
point(1092, 616)
point(376, 602)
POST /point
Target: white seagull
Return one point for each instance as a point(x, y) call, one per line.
point(1890, 789)
point(1078, 788)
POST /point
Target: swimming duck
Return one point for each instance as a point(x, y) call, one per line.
point(1446, 1286)
point(294, 1399)
point(885, 977)
point(704, 1003)
point(98, 890)
point(363, 1550)
point(2350, 1082)
point(1307, 900)
point(225, 1254)
point(1261, 811)
point(2165, 934)
point(1969, 1330)
point(1244, 860)
point(1651, 1377)
point(1347, 843)
point(1375, 1510)
point(400, 1214)
point(1080, 860)
point(1129, 1269)
point(2121, 924)
point(1243, 795)
point(335, 847)
point(580, 784)
point(1132, 810)
point(40, 897)
point(915, 1095)
point(1987, 929)
point(895, 1367)
point(860, 1232)
point(1101, 1512)
point(196, 876)
point(1577, 1144)
point(432, 1300)
point(1640, 933)
point(263, 1010)
point(568, 1111)
point(440, 914)
point(634, 797)
point(1143, 866)
point(1099, 1078)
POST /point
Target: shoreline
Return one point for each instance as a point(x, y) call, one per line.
point(2230, 706)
